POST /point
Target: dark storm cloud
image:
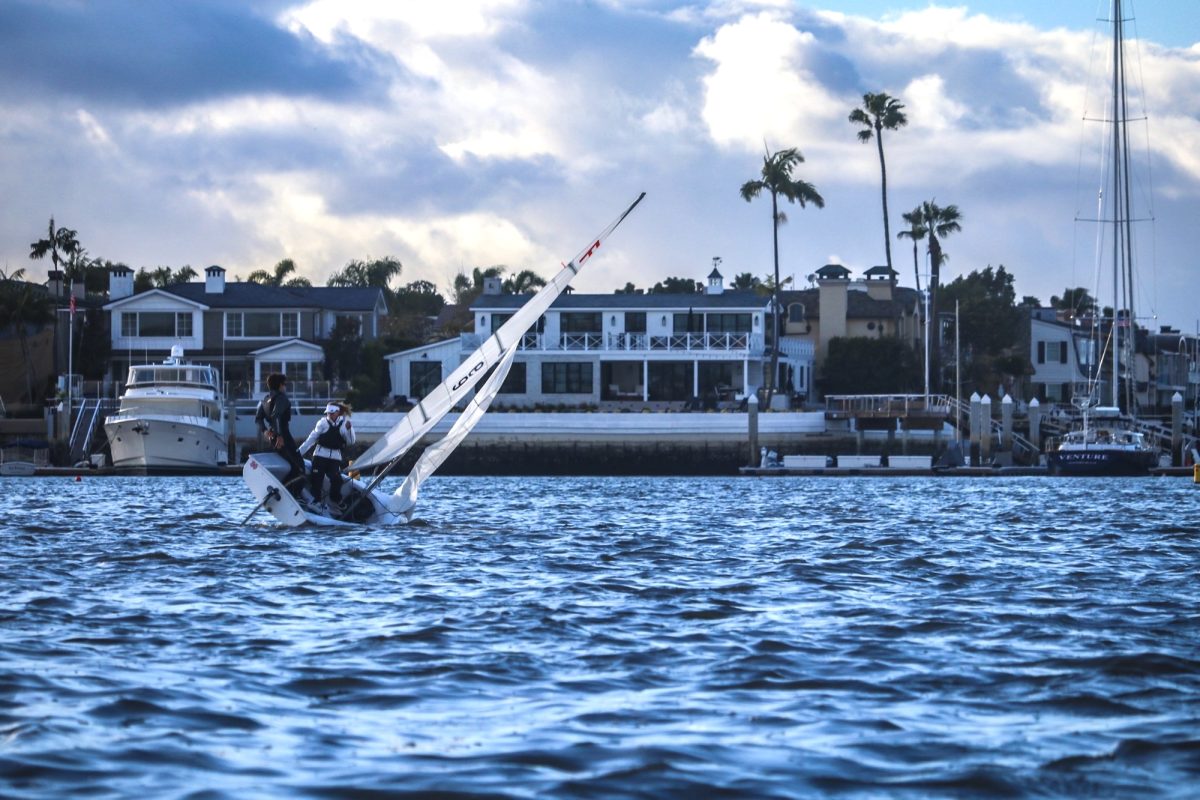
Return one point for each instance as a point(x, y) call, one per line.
point(162, 54)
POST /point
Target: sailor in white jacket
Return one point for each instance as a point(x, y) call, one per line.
point(332, 432)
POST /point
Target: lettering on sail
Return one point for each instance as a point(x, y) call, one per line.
point(467, 377)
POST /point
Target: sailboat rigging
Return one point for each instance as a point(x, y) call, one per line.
point(365, 503)
point(1106, 442)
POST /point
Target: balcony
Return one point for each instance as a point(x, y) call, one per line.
point(739, 344)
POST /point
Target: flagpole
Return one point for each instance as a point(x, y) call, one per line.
point(70, 356)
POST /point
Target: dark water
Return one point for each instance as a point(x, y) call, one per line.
point(605, 638)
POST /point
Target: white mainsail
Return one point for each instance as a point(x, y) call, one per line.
point(452, 391)
point(405, 498)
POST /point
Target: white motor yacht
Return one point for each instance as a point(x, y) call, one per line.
point(172, 416)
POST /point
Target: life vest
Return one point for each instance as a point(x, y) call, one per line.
point(332, 438)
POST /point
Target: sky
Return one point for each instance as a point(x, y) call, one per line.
point(473, 133)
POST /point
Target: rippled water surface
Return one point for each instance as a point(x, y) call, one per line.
point(621, 637)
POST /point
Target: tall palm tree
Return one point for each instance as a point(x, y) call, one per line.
point(880, 112)
point(279, 276)
point(939, 223)
point(776, 179)
point(916, 231)
point(60, 244)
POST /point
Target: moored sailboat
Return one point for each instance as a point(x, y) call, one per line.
point(1107, 442)
point(484, 368)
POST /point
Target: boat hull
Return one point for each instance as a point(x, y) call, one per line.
point(1101, 462)
point(165, 444)
point(264, 473)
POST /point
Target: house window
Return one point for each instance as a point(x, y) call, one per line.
point(733, 323)
point(570, 377)
point(161, 324)
point(262, 325)
point(1052, 352)
point(498, 320)
point(514, 382)
point(635, 321)
point(692, 322)
point(580, 322)
point(424, 377)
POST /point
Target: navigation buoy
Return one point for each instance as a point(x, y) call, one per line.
point(78, 478)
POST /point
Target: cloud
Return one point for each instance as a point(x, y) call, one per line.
point(506, 131)
point(156, 55)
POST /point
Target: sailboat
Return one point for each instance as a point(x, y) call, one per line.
point(1105, 442)
point(486, 368)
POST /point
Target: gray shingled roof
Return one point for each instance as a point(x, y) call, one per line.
point(254, 295)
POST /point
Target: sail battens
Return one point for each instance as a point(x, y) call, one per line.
point(456, 388)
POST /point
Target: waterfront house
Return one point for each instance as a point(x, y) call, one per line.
point(839, 307)
point(247, 330)
point(705, 350)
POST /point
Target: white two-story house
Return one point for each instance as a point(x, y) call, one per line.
point(246, 330)
point(709, 348)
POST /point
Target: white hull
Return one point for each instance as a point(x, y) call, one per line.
point(263, 472)
point(165, 443)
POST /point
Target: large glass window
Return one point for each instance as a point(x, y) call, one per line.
point(424, 377)
point(515, 383)
point(580, 322)
point(635, 321)
point(262, 325)
point(731, 323)
point(692, 322)
point(670, 380)
point(498, 320)
point(162, 324)
point(567, 377)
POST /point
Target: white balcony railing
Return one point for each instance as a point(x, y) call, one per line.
point(742, 343)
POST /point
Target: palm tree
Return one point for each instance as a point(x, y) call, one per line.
point(59, 244)
point(745, 281)
point(777, 180)
point(524, 282)
point(467, 289)
point(916, 231)
point(278, 277)
point(939, 223)
point(880, 112)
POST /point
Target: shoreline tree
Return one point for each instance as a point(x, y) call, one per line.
point(60, 244)
point(880, 112)
point(776, 179)
point(278, 276)
point(916, 231)
point(939, 223)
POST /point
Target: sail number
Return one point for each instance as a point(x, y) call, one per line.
point(467, 377)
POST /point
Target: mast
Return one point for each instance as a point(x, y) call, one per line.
point(1117, 164)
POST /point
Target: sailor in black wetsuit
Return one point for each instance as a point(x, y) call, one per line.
point(274, 418)
point(331, 433)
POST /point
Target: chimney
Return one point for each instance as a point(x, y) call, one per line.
point(120, 282)
point(214, 280)
point(881, 282)
point(54, 282)
point(492, 285)
point(833, 285)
